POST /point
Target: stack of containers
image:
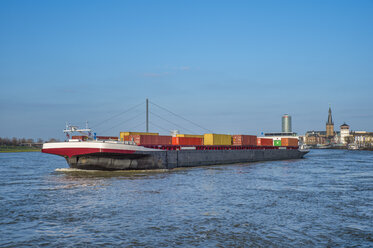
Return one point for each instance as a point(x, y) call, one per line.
point(122, 135)
point(107, 138)
point(212, 139)
point(289, 141)
point(189, 136)
point(187, 141)
point(276, 141)
point(264, 142)
point(80, 137)
point(142, 140)
point(244, 140)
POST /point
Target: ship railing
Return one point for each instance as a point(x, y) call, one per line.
point(217, 147)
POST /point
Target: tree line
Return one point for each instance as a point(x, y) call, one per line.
point(23, 141)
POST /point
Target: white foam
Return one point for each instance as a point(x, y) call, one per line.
point(68, 170)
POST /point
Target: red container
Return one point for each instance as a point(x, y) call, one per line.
point(289, 142)
point(143, 140)
point(107, 137)
point(264, 142)
point(79, 137)
point(244, 140)
point(187, 141)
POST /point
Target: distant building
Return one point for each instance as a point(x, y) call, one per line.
point(329, 136)
point(343, 138)
point(286, 123)
point(313, 138)
point(362, 138)
point(281, 135)
point(286, 129)
point(344, 133)
point(330, 126)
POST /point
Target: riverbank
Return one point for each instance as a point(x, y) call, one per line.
point(7, 149)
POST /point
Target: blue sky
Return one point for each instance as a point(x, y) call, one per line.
point(230, 66)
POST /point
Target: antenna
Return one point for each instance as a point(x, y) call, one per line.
point(147, 115)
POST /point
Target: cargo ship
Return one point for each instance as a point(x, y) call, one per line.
point(146, 151)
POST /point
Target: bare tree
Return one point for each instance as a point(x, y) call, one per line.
point(14, 141)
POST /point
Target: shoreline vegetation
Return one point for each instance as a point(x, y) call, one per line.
point(22, 145)
point(8, 149)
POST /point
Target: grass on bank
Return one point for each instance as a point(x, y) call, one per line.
point(4, 149)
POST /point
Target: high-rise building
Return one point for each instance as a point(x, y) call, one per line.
point(286, 123)
point(286, 129)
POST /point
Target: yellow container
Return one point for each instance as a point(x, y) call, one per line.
point(122, 134)
point(210, 139)
point(189, 135)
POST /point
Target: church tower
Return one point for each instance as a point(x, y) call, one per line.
point(330, 125)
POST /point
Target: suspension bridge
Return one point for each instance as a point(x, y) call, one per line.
point(146, 116)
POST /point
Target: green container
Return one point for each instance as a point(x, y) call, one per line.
point(276, 142)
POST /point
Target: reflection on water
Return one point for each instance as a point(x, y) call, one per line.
point(109, 173)
point(325, 200)
point(129, 174)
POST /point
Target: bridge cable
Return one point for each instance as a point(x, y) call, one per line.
point(159, 126)
point(181, 117)
point(122, 122)
point(129, 109)
point(160, 117)
point(142, 123)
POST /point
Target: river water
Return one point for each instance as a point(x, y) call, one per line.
point(325, 200)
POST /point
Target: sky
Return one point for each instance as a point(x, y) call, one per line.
point(229, 66)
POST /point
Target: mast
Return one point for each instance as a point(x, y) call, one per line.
point(147, 115)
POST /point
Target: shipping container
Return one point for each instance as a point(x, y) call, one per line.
point(217, 139)
point(132, 137)
point(142, 140)
point(276, 142)
point(138, 133)
point(123, 134)
point(244, 140)
point(264, 142)
point(187, 141)
point(81, 137)
point(189, 135)
point(289, 142)
point(107, 138)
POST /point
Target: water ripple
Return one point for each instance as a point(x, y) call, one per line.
point(325, 200)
